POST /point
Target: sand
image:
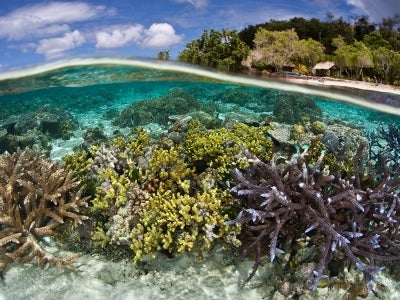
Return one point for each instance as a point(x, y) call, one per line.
point(332, 82)
point(183, 278)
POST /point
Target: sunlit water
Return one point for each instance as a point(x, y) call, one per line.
point(94, 90)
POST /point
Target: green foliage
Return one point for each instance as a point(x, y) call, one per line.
point(221, 50)
point(355, 57)
point(387, 64)
point(374, 41)
point(354, 48)
point(315, 29)
point(163, 55)
point(338, 42)
point(310, 52)
point(275, 48)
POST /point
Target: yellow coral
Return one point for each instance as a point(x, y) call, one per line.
point(223, 148)
point(169, 166)
point(178, 223)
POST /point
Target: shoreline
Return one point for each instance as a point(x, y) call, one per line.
point(332, 82)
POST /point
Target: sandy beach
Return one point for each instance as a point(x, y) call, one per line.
point(332, 82)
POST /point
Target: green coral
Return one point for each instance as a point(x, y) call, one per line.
point(177, 222)
point(317, 127)
point(345, 167)
point(79, 164)
point(139, 113)
point(223, 148)
point(133, 146)
point(293, 109)
point(113, 191)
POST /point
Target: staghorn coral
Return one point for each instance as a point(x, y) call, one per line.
point(35, 197)
point(305, 201)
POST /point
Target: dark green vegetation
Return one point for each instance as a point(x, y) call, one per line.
point(221, 50)
point(362, 50)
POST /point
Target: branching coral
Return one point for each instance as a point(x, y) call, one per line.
point(176, 223)
point(35, 197)
point(385, 148)
point(341, 220)
point(224, 148)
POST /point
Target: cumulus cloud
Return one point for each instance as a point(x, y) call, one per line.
point(115, 37)
point(195, 3)
point(47, 19)
point(55, 47)
point(161, 35)
point(158, 35)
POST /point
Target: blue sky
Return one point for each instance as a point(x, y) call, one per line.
point(35, 31)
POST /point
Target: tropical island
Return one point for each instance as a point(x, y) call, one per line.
point(362, 51)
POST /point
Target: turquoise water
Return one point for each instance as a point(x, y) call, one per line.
point(59, 107)
point(90, 92)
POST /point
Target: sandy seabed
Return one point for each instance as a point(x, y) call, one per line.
point(184, 277)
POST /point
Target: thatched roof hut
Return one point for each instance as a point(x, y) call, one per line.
point(325, 68)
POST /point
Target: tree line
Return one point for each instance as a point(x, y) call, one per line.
point(362, 50)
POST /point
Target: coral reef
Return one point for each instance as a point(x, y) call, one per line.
point(140, 113)
point(224, 148)
point(175, 223)
point(145, 194)
point(335, 217)
point(254, 99)
point(35, 129)
point(294, 109)
point(36, 196)
point(385, 148)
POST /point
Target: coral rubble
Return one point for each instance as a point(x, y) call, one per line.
point(36, 196)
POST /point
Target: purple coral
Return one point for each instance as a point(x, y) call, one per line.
point(341, 220)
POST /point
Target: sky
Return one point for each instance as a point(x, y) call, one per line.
point(36, 31)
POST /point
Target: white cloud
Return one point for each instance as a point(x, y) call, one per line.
point(158, 35)
point(55, 47)
point(115, 37)
point(161, 35)
point(195, 3)
point(46, 19)
point(376, 10)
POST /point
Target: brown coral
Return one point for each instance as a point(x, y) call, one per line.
point(36, 195)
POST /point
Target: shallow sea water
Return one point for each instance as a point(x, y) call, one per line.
point(89, 90)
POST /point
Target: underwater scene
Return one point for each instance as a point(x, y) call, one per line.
point(148, 180)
